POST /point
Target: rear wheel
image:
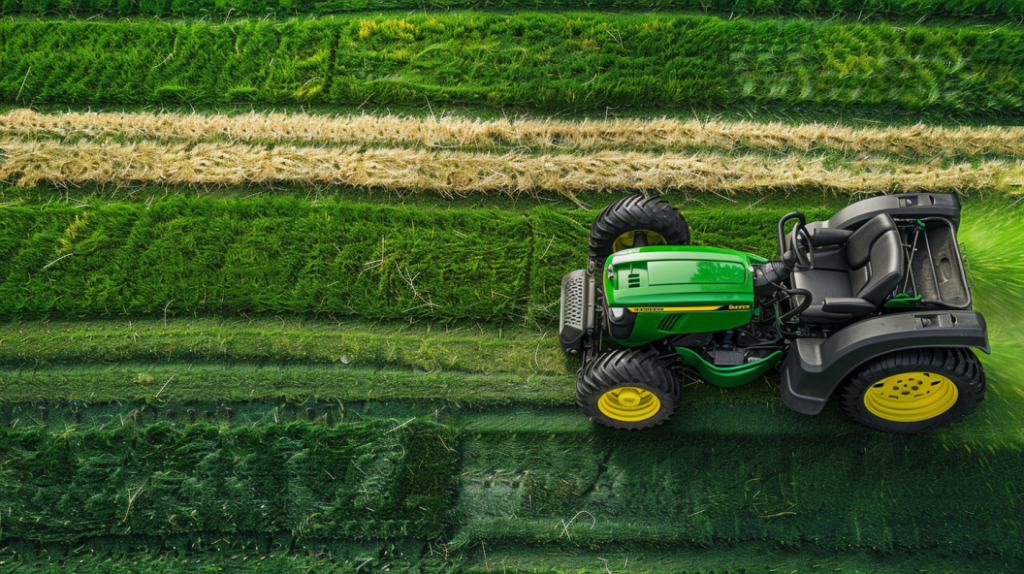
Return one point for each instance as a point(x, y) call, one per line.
point(628, 389)
point(636, 221)
point(915, 391)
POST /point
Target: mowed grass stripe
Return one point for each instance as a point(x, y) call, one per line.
point(277, 255)
point(451, 172)
point(449, 130)
point(543, 61)
point(354, 345)
point(158, 383)
point(991, 9)
point(373, 480)
point(835, 486)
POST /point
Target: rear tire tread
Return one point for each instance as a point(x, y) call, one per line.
point(958, 364)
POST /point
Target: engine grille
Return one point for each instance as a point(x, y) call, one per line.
point(572, 304)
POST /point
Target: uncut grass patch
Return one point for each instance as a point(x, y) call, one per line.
point(579, 61)
point(366, 480)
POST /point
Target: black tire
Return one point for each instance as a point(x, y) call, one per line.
point(636, 213)
point(960, 366)
point(627, 368)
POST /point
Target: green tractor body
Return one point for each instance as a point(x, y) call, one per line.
point(685, 290)
point(679, 290)
point(873, 304)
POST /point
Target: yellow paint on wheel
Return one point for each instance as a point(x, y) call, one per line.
point(911, 397)
point(625, 241)
point(629, 404)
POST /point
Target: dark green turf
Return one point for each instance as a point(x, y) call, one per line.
point(362, 481)
point(1010, 10)
point(717, 487)
point(332, 259)
point(582, 61)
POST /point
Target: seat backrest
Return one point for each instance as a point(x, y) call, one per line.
point(875, 255)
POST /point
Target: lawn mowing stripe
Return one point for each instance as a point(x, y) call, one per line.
point(450, 130)
point(329, 259)
point(840, 491)
point(364, 345)
point(997, 10)
point(261, 254)
point(723, 558)
point(289, 555)
point(163, 382)
point(447, 173)
point(373, 480)
point(543, 61)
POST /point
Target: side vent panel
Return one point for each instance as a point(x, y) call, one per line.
point(634, 280)
point(668, 323)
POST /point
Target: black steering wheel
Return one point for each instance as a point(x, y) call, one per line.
point(803, 258)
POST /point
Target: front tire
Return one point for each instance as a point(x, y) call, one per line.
point(915, 391)
point(616, 226)
point(628, 389)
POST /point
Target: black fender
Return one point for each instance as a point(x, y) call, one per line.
point(815, 367)
point(899, 206)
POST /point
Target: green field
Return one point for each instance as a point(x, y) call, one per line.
point(540, 61)
point(282, 294)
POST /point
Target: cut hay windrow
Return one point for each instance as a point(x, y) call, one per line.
point(448, 173)
point(535, 133)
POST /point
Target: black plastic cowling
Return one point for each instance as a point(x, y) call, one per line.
point(816, 366)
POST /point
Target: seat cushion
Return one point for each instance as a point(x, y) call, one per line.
point(884, 270)
point(858, 248)
point(822, 283)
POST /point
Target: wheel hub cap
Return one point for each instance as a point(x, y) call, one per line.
point(629, 404)
point(911, 397)
point(625, 241)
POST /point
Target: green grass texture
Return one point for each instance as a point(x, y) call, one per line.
point(583, 61)
point(188, 256)
point(361, 481)
point(1001, 9)
point(524, 483)
point(828, 485)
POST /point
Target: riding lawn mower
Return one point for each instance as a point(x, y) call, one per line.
point(872, 306)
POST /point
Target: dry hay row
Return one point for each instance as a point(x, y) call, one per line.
point(451, 131)
point(449, 172)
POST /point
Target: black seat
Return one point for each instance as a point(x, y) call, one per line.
point(856, 276)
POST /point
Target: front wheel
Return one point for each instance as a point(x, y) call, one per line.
point(915, 391)
point(628, 389)
point(636, 221)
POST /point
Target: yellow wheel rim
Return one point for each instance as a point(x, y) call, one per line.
point(629, 404)
point(625, 241)
point(911, 397)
